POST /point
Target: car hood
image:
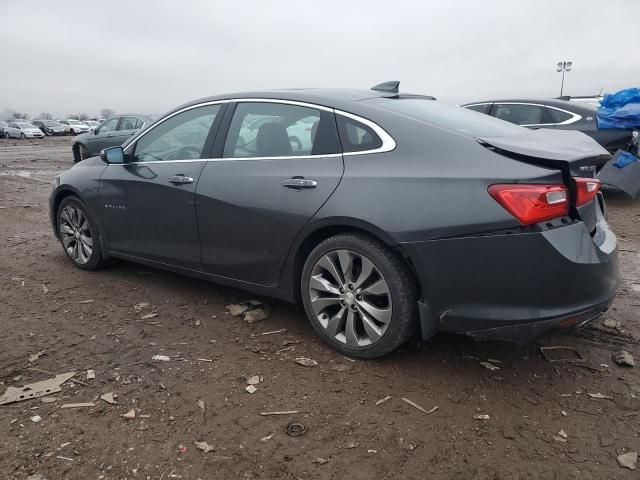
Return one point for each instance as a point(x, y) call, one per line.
point(564, 145)
point(550, 144)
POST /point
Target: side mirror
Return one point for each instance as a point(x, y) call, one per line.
point(112, 155)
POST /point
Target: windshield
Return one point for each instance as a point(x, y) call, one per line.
point(457, 119)
point(50, 123)
point(25, 125)
point(74, 122)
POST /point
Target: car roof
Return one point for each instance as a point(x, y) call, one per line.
point(552, 102)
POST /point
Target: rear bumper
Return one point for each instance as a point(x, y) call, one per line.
point(516, 286)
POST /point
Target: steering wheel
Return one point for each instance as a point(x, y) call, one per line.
point(184, 153)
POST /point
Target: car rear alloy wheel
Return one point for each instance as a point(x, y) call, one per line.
point(359, 296)
point(78, 234)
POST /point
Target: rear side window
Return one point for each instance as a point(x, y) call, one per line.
point(522, 114)
point(559, 116)
point(482, 108)
point(356, 136)
point(128, 123)
point(266, 129)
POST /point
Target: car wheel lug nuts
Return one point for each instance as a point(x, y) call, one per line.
point(351, 286)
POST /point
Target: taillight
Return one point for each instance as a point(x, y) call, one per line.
point(532, 203)
point(586, 189)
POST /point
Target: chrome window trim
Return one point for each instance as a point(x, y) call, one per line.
point(388, 142)
point(575, 117)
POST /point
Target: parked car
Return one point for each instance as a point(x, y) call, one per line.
point(2, 125)
point(556, 114)
point(401, 213)
point(92, 124)
point(22, 129)
point(49, 127)
point(74, 127)
point(110, 133)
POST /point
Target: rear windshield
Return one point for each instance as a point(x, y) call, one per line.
point(457, 119)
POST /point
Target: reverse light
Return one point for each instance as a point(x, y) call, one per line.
point(586, 189)
point(532, 203)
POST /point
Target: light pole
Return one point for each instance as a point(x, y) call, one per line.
point(563, 67)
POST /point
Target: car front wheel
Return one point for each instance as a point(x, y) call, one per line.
point(359, 295)
point(78, 234)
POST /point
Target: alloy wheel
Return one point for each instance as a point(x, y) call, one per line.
point(75, 233)
point(350, 298)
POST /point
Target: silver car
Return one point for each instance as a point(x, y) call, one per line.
point(22, 130)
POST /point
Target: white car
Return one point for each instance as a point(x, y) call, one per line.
point(93, 124)
point(22, 130)
point(74, 127)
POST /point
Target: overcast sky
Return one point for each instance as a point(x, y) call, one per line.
point(150, 55)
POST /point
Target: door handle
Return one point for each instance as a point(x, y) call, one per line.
point(180, 180)
point(298, 183)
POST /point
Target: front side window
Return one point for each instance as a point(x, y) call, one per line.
point(108, 126)
point(522, 114)
point(181, 137)
point(482, 108)
point(128, 123)
point(280, 130)
point(357, 137)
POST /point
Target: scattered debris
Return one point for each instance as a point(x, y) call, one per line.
point(109, 398)
point(341, 367)
point(306, 362)
point(624, 358)
point(36, 419)
point(284, 412)
point(628, 460)
point(285, 349)
point(36, 356)
point(204, 447)
point(138, 307)
point(44, 288)
point(201, 406)
point(161, 358)
point(48, 399)
point(415, 405)
point(563, 434)
point(612, 323)
point(564, 354)
point(208, 360)
point(296, 429)
point(273, 332)
point(130, 415)
point(91, 374)
point(182, 449)
point(483, 416)
point(320, 461)
point(509, 432)
point(148, 316)
point(35, 390)
point(36, 477)
point(267, 438)
point(253, 311)
point(64, 458)
point(251, 389)
point(254, 380)
point(382, 400)
point(559, 439)
point(489, 366)
point(78, 405)
point(564, 414)
point(599, 396)
point(86, 301)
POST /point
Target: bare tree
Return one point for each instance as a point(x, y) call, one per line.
point(73, 116)
point(45, 116)
point(83, 116)
point(107, 113)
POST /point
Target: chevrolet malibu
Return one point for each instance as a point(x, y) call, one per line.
point(388, 214)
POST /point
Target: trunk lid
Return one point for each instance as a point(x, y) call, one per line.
point(573, 153)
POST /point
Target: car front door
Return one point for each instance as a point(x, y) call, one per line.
point(269, 182)
point(148, 204)
point(101, 136)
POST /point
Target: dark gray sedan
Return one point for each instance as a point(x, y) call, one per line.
point(388, 213)
point(110, 133)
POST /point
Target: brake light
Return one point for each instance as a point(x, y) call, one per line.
point(586, 189)
point(532, 203)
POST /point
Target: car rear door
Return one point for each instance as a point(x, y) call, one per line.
point(264, 186)
point(524, 114)
point(148, 202)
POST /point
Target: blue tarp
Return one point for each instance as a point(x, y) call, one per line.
point(620, 110)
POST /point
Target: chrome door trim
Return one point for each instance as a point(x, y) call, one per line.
point(388, 142)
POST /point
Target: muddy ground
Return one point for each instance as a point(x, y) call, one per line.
point(82, 321)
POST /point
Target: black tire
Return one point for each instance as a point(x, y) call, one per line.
point(95, 260)
point(23, 136)
point(6, 135)
point(72, 132)
point(84, 152)
point(76, 153)
point(401, 285)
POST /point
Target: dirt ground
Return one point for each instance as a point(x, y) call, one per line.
point(81, 320)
